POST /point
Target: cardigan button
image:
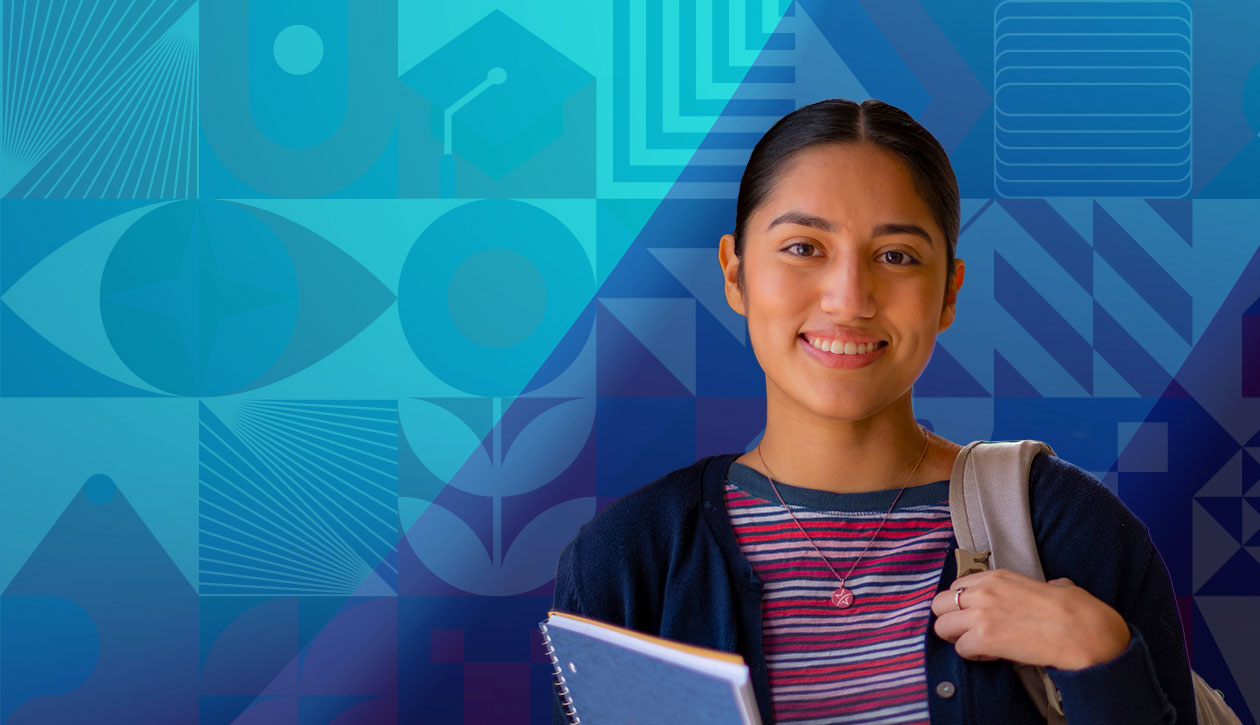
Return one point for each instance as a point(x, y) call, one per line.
point(945, 689)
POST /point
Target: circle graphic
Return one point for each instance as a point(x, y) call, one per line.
point(298, 49)
point(99, 489)
point(488, 292)
point(199, 298)
point(497, 297)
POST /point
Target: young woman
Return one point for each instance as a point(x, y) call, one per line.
point(823, 556)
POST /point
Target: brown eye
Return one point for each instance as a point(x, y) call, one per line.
point(799, 244)
point(900, 256)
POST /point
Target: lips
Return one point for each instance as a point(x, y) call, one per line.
point(837, 345)
point(840, 361)
point(842, 336)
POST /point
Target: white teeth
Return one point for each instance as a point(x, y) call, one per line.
point(836, 347)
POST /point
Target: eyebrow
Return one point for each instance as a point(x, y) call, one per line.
point(880, 230)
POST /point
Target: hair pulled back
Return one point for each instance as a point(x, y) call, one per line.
point(838, 120)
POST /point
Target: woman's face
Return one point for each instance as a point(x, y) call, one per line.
point(832, 257)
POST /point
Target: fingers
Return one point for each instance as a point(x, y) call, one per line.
point(947, 601)
point(952, 625)
point(991, 585)
point(951, 600)
point(1002, 614)
point(970, 646)
point(972, 639)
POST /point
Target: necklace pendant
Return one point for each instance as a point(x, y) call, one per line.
point(842, 597)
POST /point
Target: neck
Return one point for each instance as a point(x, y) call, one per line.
point(872, 454)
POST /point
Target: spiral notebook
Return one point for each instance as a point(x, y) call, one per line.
point(608, 674)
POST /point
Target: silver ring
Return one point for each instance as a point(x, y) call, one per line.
point(958, 597)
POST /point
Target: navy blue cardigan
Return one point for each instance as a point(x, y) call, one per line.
point(664, 560)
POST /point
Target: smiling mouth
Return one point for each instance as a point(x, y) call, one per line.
point(842, 350)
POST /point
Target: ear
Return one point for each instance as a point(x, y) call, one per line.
point(730, 272)
point(951, 297)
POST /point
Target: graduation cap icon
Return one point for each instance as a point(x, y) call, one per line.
point(496, 95)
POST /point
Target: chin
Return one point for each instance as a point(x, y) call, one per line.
point(843, 407)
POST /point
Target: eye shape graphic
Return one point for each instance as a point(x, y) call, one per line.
point(195, 298)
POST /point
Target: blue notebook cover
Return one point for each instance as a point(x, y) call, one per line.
point(609, 674)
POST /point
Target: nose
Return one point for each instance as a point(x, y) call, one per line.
point(848, 287)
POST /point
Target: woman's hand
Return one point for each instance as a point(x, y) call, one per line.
point(1006, 615)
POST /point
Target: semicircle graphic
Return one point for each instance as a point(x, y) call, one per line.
point(33, 626)
point(125, 587)
point(337, 297)
point(487, 292)
point(196, 298)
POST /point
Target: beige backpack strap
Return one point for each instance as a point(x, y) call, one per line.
point(988, 505)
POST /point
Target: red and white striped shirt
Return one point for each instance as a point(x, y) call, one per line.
point(863, 664)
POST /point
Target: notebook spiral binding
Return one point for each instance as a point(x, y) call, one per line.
point(557, 674)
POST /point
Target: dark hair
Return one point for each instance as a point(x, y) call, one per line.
point(838, 120)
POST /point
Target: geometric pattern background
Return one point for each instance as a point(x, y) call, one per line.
point(316, 347)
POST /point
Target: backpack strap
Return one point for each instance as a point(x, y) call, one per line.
point(988, 505)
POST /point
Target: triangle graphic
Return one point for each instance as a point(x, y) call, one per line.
point(1250, 510)
point(1108, 383)
point(1008, 383)
point(945, 377)
point(99, 545)
point(1240, 576)
point(667, 328)
point(698, 271)
point(1227, 511)
point(625, 367)
point(1227, 618)
point(1250, 523)
point(819, 69)
point(1179, 213)
point(1175, 390)
point(1251, 470)
point(1211, 547)
point(1227, 481)
point(1077, 212)
point(969, 208)
point(1206, 655)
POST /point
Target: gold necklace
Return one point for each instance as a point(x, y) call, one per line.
point(842, 597)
